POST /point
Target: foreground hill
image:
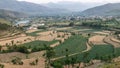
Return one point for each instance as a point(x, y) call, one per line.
point(30, 8)
point(111, 9)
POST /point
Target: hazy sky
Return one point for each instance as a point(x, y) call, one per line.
point(46, 1)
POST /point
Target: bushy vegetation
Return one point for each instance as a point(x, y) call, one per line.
point(34, 62)
point(33, 46)
point(17, 61)
point(2, 66)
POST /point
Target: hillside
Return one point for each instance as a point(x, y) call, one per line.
point(7, 16)
point(11, 14)
point(111, 9)
point(30, 8)
point(6, 19)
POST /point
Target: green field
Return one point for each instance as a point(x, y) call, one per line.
point(97, 52)
point(38, 45)
point(74, 44)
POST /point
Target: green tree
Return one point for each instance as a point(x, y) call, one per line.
point(48, 55)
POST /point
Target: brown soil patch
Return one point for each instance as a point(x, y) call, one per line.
point(111, 40)
point(98, 39)
point(31, 31)
point(19, 40)
point(65, 28)
point(103, 32)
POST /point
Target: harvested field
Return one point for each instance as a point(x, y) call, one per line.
point(31, 31)
point(103, 32)
point(98, 39)
point(65, 28)
point(7, 57)
point(19, 40)
point(26, 64)
point(112, 41)
point(45, 33)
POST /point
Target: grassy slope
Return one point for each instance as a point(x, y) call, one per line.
point(74, 44)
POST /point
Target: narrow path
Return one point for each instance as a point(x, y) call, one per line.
point(110, 41)
point(88, 48)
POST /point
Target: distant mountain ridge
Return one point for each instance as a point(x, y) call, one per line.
point(110, 9)
point(30, 8)
point(72, 6)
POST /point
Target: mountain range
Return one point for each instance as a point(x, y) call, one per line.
point(110, 9)
point(29, 8)
point(72, 6)
point(60, 8)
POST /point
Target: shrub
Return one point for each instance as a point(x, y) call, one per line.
point(32, 63)
point(17, 61)
point(2, 66)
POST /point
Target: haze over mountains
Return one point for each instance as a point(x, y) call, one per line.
point(28, 7)
point(111, 9)
point(60, 8)
point(72, 6)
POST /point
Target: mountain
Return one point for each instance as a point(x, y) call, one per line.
point(11, 14)
point(30, 8)
point(110, 9)
point(72, 6)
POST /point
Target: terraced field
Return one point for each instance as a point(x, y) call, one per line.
point(38, 45)
point(74, 44)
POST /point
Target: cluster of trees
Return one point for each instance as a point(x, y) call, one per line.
point(22, 48)
point(4, 26)
point(109, 23)
point(93, 24)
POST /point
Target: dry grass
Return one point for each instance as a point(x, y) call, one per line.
point(31, 31)
point(97, 39)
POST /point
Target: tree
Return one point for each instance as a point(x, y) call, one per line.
point(73, 61)
point(48, 55)
point(71, 24)
point(0, 48)
point(85, 55)
point(67, 60)
point(12, 42)
point(57, 64)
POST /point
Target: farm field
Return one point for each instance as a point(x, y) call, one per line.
point(74, 44)
point(97, 39)
point(38, 45)
point(97, 52)
point(33, 32)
